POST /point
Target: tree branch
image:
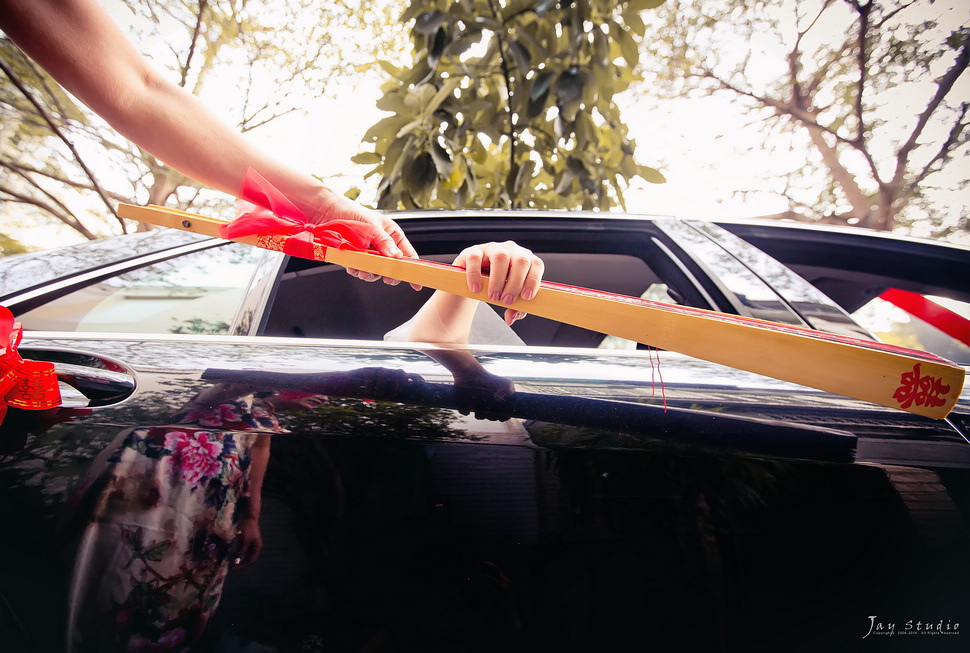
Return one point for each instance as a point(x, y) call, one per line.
point(946, 149)
point(23, 170)
point(66, 219)
point(508, 84)
point(15, 79)
point(943, 87)
point(195, 37)
point(862, 60)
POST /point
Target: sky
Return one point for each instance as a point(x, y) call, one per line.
point(693, 142)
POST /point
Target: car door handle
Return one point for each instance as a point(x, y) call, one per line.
point(100, 386)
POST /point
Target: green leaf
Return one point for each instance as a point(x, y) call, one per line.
point(420, 175)
point(392, 102)
point(441, 41)
point(385, 129)
point(523, 59)
point(442, 160)
point(524, 175)
point(628, 46)
point(428, 22)
point(540, 85)
point(446, 91)
point(652, 175)
point(565, 182)
point(643, 5)
point(510, 180)
point(366, 158)
point(411, 11)
point(156, 552)
point(543, 7)
point(569, 85)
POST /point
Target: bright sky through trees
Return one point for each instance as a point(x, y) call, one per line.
point(702, 145)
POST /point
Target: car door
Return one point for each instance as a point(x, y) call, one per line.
point(570, 498)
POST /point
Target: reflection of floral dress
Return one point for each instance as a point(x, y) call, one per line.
point(151, 565)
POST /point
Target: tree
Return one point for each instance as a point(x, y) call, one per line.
point(870, 88)
point(510, 103)
point(257, 59)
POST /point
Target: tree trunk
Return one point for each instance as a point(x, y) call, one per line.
point(861, 208)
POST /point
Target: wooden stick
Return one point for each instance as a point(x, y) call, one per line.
point(891, 376)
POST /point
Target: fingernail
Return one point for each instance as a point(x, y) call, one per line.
point(508, 299)
point(476, 287)
point(394, 251)
point(518, 316)
point(527, 294)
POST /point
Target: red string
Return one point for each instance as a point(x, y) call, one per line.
point(653, 382)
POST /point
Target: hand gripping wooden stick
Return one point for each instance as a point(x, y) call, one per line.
point(896, 377)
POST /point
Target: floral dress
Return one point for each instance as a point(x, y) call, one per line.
point(151, 564)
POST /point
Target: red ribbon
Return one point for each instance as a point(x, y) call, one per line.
point(949, 322)
point(268, 214)
point(23, 383)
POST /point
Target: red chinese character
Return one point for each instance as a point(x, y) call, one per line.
point(921, 390)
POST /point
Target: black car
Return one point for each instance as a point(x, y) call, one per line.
point(243, 462)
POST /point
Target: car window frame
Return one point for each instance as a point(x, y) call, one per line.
point(456, 231)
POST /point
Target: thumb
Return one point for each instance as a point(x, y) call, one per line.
point(384, 244)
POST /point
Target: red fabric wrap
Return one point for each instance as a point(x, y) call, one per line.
point(949, 322)
point(23, 383)
point(268, 214)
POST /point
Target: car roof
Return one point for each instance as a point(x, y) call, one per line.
point(21, 272)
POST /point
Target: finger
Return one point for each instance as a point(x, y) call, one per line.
point(397, 234)
point(533, 279)
point(520, 265)
point(386, 246)
point(250, 553)
point(512, 316)
point(471, 259)
point(363, 276)
point(498, 260)
point(399, 239)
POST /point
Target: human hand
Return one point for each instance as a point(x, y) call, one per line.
point(513, 272)
point(250, 542)
point(387, 237)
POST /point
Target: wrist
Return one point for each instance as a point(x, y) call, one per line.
point(316, 202)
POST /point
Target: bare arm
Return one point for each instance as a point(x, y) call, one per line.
point(79, 45)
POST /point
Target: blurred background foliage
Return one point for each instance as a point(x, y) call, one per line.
point(511, 105)
point(859, 108)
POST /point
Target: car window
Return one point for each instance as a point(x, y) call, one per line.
point(323, 301)
point(755, 298)
point(198, 292)
point(895, 326)
point(810, 303)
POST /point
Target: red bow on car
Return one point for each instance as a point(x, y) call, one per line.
point(23, 383)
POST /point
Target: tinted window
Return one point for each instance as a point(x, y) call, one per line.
point(755, 298)
point(325, 302)
point(195, 293)
point(895, 326)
